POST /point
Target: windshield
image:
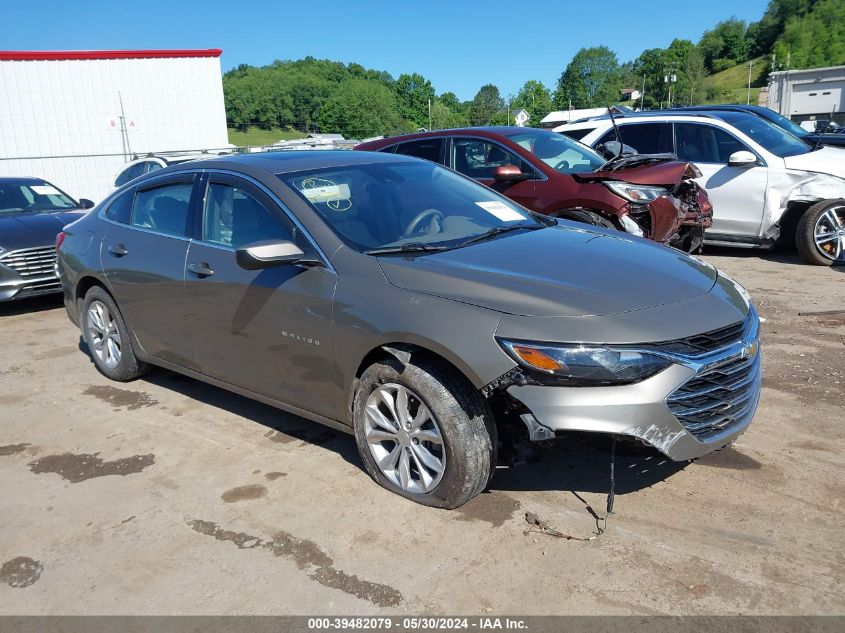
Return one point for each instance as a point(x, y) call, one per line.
point(773, 138)
point(28, 195)
point(386, 205)
point(786, 124)
point(559, 152)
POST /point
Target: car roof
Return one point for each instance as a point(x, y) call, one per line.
point(488, 131)
point(5, 180)
point(292, 161)
point(667, 115)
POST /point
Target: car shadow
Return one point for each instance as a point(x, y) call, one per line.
point(581, 463)
point(31, 305)
point(282, 427)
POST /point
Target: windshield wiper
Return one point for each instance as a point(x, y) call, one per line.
point(496, 230)
point(409, 247)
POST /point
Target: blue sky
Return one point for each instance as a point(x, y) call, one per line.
point(459, 46)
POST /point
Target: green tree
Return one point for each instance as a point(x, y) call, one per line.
point(814, 38)
point(535, 98)
point(444, 117)
point(592, 79)
point(486, 104)
point(727, 42)
point(695, 72)
point(361, 108)
point(451, 101)
point(413, 93)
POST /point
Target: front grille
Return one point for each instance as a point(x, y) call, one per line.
point(718, 397)
point(31, 263)
point(703, 343)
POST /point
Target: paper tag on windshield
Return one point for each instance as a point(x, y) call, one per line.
point(45, 190)
point(501, 210)
point(329, 193)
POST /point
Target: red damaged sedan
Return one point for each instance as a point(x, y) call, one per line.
point(653, 196)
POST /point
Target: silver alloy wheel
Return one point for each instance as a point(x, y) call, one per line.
point(404, 438)
point(103, 334)
point(829, 233)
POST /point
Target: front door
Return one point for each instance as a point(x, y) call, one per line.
point(478, 157)
point(268, 331)
point(738, 193)
point(143, 258)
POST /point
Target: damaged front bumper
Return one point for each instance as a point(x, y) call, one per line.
point(693, 407)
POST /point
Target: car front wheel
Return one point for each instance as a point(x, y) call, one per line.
point(107, 337)
point(820, 235)
point(423, 432)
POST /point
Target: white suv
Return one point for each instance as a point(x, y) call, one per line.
point(763, 181)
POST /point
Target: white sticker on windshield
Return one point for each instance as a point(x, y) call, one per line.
point(501, 210)
point(327, 193)
point(45, 190)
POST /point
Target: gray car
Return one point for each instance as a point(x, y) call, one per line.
point(395, 299)
point(32, 212)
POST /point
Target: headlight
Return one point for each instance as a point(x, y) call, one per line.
point(635, 193)
point(585, 366)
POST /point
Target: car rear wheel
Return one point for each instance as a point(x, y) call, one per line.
point(820, 235)
point(588, 217)
point(423, 432)
point(107, 337)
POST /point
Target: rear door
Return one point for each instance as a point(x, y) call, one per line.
point(738, 193)
point(478, 157)
point(268, 331)
point(426, 148)
point(645, 138)
point(143, 258)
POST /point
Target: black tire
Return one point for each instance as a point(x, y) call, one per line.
point(588, 217)
point(129, 367)
point(691, 240)
point(465, 422)
point(805, 240)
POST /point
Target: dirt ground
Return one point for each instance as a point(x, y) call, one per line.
point(168, 496)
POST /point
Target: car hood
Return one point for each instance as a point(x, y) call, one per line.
point(566, 270)
point(668, 173)
point(29, 229)
point(825, 160)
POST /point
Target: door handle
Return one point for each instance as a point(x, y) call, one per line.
point(118, 249)
point(203, 269)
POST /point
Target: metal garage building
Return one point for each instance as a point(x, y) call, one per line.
point(75, 118)
point(810, 94)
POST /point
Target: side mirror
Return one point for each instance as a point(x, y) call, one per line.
point(742, 158)
point(508, 173)
point(85, 203)
point(268, 254)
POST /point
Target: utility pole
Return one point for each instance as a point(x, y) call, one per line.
point(429, 115)
point(748, 99)
point(642, 94)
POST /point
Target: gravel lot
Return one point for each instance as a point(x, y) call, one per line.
point(168, 496)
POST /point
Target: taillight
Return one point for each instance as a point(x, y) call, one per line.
point(59, 239)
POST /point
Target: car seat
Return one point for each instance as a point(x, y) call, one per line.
point(169, 214)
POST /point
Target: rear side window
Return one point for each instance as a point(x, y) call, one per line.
point(120, 209)
point(705, 143)
point(427, 148)
point(577, 134)
point(130, 173)
point(233, 217)
point(646, 138)
point(163, 209)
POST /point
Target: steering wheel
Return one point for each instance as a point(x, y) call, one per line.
point(422, 215)
point(564, 164)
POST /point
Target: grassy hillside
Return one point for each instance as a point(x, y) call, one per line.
point(731, 84)
point(257, 136)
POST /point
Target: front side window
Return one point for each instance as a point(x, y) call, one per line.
point(427, 148)
point(559, 152)
point(233, 217)
point(699, 143)
point(645, 138)
point(16, 197)
point(163, 209)
point(385, 205)
point(478, 158)
point(771, 137)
